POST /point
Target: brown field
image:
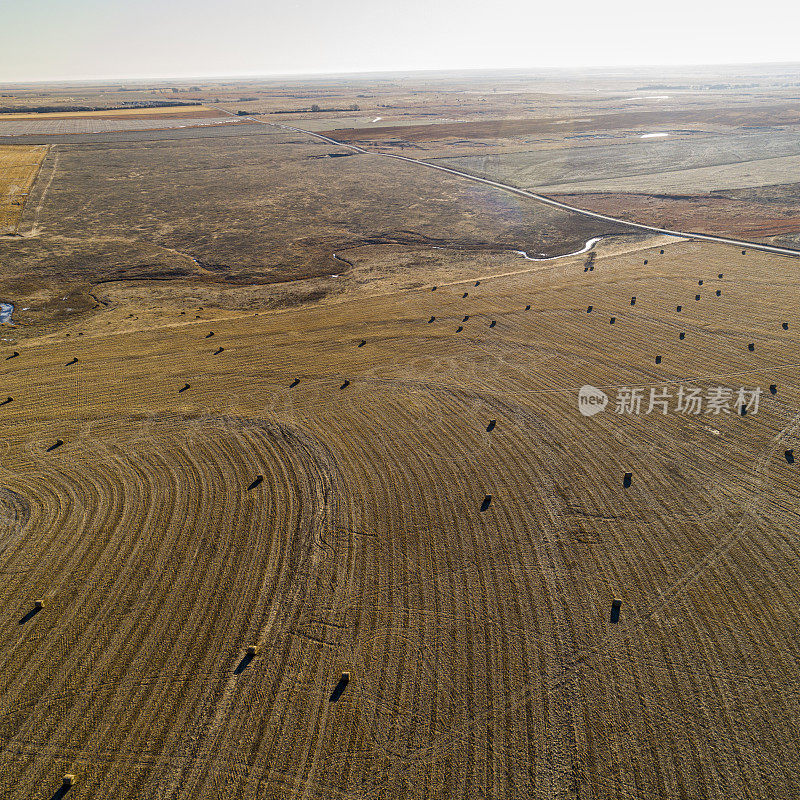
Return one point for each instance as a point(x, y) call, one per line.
point(481, 657)
point(260, 394)
point(19, 166)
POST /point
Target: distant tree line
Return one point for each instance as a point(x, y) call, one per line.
point(128, 104)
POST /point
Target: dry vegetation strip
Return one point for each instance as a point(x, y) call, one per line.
point(164, 112)
point(481, 658)
point(19, 166)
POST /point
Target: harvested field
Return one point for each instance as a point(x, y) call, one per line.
point(164, 112)
point(19, 166)
point(481, 657)
point(772, 115)
point(72, 125)
point(713, 213)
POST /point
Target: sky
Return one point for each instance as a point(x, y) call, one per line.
point(84, 39)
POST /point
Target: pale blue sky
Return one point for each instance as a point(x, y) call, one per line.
point(68, 39)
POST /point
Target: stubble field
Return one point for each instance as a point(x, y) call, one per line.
point(217, 436)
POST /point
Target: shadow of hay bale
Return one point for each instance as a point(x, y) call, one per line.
point(362, 342)
point(258, 480)
point(466, 317)
point(183, 388)
point(338, 690)
point(345, 385)
point(459, 329)
point(55, 446)
point(294, 383)
point(243, 664)
point(773, 389)
point(751, 347)
point(7, 401)
point(218, 351)
point(432, 319)
point(527, 308)
point(589, 309)
point(70, 363)
point(658, 359)
point(30, 615)
point(616, 605)
point(681, 335)
point(490, 426)
point(789, 456)
point(633, 301)
point(209, 334)
point(718, 293)
point(487, 501)
point(492, 323)
point(13, 355)
point(627, 480)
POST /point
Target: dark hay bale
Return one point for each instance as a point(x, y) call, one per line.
point(465, 294)
point(55, 446)
point(70, 363)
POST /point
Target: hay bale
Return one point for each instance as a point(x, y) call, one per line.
point(39, 604)
point(68, 781)
point(459, 329)
point(254, 649)
point(345, 385)
point(209, 334)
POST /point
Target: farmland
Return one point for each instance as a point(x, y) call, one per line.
point(18, 169)
point(258, 394)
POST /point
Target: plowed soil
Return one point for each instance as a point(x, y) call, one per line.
point(481, 657)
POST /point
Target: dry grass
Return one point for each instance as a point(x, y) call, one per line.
point(480, 655)
point(19, 166)
point(125, 113)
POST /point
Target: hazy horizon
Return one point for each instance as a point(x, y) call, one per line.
point(88, 40)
